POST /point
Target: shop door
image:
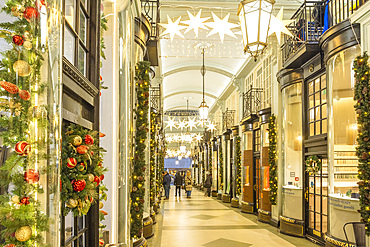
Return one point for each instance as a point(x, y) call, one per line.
point(316, 195)
point(257, 168)
point(232, 169)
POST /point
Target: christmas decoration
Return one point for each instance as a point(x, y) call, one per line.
point(313, 165)
point(172, 28)
point(89, 140)
point(238, 163)
point(30, 13)
point(101, 205)
point(221, 160)
point(23, 234)
point(101, 242)
point(221, 26)
point(97, 180)
point(27, 45)
point(210, 158)
point(362, 108)
point(25, 95)
point(141, 111)
point(153, 147)
point(17, 39)
point(272, 160)
point(71, 203)
point(22, 148)
point(10, 87)
point(10, 245)
point(15, 199)
point(31, 176)
point(22, 68)
point(79, 183)
point(195, 22)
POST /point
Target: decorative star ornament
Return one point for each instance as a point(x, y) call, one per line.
point(211, 126)
point(176, 138)
point(170, 123)
point(181, 125)
point(172, 28)
point(169, 138)
point(222, 27)
point(278, 25)
point(195, 22)
point(192, 123)
point(198, 137)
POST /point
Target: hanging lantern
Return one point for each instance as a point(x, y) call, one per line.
point(183, 149)
point(254, 17)
point(203, 111)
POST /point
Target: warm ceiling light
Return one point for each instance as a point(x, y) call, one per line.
point(203, 111)
point(183, 149)
point(254, 17)
point(172, 28)
point(221, 26)
point(195, 22)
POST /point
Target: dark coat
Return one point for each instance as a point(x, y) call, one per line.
point(208, 182)
point(167, 180)
point(178, 180)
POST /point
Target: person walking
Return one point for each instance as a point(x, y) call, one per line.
point(208, 185)
point(178, 184)
point(167, 185)
point(188, 186)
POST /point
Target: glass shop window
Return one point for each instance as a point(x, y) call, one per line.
point(257, 140)
point(317, 107)
point(76, 21)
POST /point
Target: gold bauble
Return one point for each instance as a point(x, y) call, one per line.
point(27, 36)
point(27, 45)
point(22, 68)
point(71, 203)
point(101, 205)
point(23, 234)
point(15, 199)
point(77, 140)
point(90, 177)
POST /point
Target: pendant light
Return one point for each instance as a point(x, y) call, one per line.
point(203, 108)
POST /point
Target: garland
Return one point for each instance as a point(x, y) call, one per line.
point(203, 155)
point(313, 165)
point(139, 162)
point(362, 107)
point(153, 146)
point(238, 166)
point(220, 157)
point(210, 158)
point(23, 221)
point(272, 160)
point(161, 154)
point(81, 171)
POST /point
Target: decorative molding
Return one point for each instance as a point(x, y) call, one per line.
point(189, 91)
point(238, 83)
point(209, 68)
point(72, 72)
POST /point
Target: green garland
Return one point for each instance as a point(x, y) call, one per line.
point(272, 160)
point(160, 168)
point(139, 162)
point(210, 157)
point(81, 170)
point(203, 155)
point(362, 107)
point(153, 147)
point(238, 163)
point(20, 211)
point(221, 160)
point(313, 165)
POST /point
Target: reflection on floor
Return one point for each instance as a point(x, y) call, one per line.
point(205, 222)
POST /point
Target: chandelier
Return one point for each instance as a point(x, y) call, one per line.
point(203, 108)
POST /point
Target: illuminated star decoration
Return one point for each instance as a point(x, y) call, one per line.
point(192, 123)
point(221, 27)
point(171, 123)
point(278, 25)
point(172, 28)
point(181, 125)
point(211, 127)
point(198, 137)
point(176, 138)
point(195, 22)
point(169, 138)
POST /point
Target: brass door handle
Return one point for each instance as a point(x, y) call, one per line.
point(306, 195)
point(255, 187)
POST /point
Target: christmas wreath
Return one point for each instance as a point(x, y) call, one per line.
point(313, 165)
point(272, 160)
point(82, 169)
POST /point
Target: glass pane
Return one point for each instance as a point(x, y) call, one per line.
point(324, 223)
point(69, 223)
point(323, 110)
point(311, 102)
point(324, 126)
point(324, 186)
point(317, 223)
point(318, 130)
point(69, 45)
point(82, 60)
point(70, 12)
point(312, 115)
point(317, 99)
point(311, 185)
point(323, 81)
point(325, 205)
point(312, 129)
point(317, 84)
point(323, 96)
point(317, 113)
point(310, 87)
point(311, 202)
point(83, 25)
point(311, 219)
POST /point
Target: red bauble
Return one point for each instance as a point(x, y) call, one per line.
point(25, 95)
point(89, 140)
point(101, 242)
point(31, 176)
point(101, 177)
point(97, 180)
point(79, 185)
point(30, 13)
point(25, 200)
point(71, 162)
point(10, 87)
point(81, 167)
point(22, 148)
point(10, 245)
point(91, 153)
point(18, 40)
point(82, 149)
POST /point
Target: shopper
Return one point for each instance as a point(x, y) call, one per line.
point(178, 184)
point(188, 182)
point(208, 185)
point(167, 185)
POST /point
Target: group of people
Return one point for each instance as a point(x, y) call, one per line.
point(184, 182)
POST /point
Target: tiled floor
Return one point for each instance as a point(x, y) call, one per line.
point(207, 222)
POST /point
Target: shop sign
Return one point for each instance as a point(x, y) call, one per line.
point(344, 204)
point(337, 242)
point(296, 178)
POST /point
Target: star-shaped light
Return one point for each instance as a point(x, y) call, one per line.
point(195, 22)
point(170, 123)
point(211, 126)
point(192, 123)
point(169, 138)
point(176, 138)
point(278, 25)
point(181, 125)
point(221, 27)
point(198, 137)
point(172, 28)
point(183, 138)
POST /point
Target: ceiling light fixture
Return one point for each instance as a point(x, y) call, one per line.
point(203, 108)
point(172, 28)
point(221, 26)
point(254, 17)
point(195, 22)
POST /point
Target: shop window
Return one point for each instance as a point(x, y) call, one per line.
point(76, 21)
point(317, 107)
point(257, 140)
